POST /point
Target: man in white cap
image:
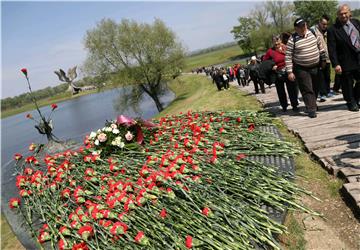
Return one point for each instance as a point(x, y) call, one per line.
point(254, 75)
point(304, 54)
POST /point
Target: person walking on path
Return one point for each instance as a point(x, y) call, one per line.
point(304, 54)
point(324, 74)
point(277, 54)
point(253, 67)
point(344, 52)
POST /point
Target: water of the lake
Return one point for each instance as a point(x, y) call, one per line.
point(73, 119)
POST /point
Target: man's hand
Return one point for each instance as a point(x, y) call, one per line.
point(338, 69)
point(274, 67)
point(291, 77)
point(323, 64)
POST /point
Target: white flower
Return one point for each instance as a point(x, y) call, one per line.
point(96, 142)
point(92, 135)
point(116, 131)
point(129, 136)
point(117, 142)
point(98, 152)
point(113, 126)
point(108, 129)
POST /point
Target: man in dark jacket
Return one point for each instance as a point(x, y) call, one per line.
point(344, 51)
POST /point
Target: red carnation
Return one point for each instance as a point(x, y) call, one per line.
point(24, 71)
point(43, 236)
point(238, 119)
point(80, 246)
point(85, 232)
point(188, 241)
point(240, 157)
point(206, 211)
point(118, 228)
point(62, 244)
point(14, 202)
point(141, 239)
point(163, 213)
point(17, 156)
point(251, 127)
point(54, 106)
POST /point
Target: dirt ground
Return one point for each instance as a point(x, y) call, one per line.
point(338, 230)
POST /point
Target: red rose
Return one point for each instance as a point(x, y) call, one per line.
point(54, 106)
point(24, 71)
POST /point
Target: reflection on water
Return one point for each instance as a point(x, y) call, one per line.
point(72, 120)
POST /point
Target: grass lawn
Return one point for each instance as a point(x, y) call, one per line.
point(214, 57)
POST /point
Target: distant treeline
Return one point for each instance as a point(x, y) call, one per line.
point(212, 48)
point(23, 99)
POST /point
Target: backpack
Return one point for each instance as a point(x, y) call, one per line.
point(295, 35)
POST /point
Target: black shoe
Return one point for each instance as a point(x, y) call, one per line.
point(312, 114)
point(353, 107)
point(284, 109)
point(296, 109)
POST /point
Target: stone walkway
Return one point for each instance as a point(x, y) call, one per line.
point(333, 137)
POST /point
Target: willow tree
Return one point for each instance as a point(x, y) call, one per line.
point(144, 55)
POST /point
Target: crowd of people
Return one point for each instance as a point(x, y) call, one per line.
point(301, 62)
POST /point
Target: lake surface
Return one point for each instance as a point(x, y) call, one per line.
point(73, 119)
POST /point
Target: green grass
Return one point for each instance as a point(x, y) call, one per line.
point(8, 239)
point(214, 57)
point(198, 93)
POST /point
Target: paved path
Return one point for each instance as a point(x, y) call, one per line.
point(333, 137)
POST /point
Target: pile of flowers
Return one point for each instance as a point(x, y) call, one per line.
point(123, 134)
point(192, 185)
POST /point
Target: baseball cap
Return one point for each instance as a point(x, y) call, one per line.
point(299, 22)
point(253, 58)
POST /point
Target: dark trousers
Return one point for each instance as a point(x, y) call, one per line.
point(324, 80)
point(351, 91)
point(291, 87)
point(307, 79)
point(258, 82)
point(337, 83)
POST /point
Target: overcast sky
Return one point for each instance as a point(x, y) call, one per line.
point(45, 36)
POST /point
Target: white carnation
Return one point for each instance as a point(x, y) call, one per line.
point(116, 131)
point(96, 142)
point(92, 135)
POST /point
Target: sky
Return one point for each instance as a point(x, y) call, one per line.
point(45, 36)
